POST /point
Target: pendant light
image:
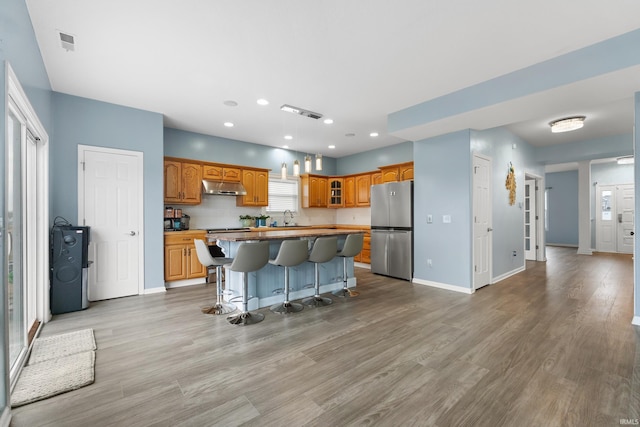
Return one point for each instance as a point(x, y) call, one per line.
point(296, 168)
point(318, 162)
point(283, 171)
point(307, 164)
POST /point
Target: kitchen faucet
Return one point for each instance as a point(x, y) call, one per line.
point(284, 216)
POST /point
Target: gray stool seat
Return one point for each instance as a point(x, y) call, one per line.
point(324, 250)
point(352, 247)
point(251, 256)
point(213, 263)
point(290, 254)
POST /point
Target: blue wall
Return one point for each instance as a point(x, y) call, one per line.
point(373, 159)
point(190, 145)
point(442, 186)
point(601, 148)
point(562, 205)
point(88, 122)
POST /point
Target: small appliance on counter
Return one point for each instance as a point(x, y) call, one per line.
point(175, 220)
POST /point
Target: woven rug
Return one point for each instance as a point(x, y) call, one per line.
point(57, 364)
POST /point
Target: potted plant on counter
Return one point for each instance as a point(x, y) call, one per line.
point(261, 220)
point(246, 220)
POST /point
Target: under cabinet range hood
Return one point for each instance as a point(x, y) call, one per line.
point(222, 188)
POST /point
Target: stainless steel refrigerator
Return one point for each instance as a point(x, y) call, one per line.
point(392, 229)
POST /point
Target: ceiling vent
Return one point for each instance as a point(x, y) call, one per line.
point(301, 111)
point(67, 41)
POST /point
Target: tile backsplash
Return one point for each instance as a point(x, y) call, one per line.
point(221, 212)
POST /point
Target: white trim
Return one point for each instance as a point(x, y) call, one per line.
point(362, 265)
point(636, 320)
point(5, 418)
point(508, 274)
point(443, 286)
point(585, 252)
point(473, 213)
point(562, 245)
point(141, 226)
point(182, 283)
point(158, 290)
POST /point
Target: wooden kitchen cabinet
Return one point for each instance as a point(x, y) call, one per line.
point(221, 173)
point(363, 190)
point(336, 192)
point(365, 254)
point(397, 172)
point(256, 182)
point(182, 182)
point(349, 191)
point(376, 178)
point(180, 258)
point(314, 191)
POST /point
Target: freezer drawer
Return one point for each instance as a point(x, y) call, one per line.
point(392, 253)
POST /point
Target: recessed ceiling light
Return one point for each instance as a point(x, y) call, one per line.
point(228, 124)
point(288, 137)
point(230, 103)
point(373, 134)
point(350, 134)
point(285, 146)
point(567, 124)
point(328, 121)
point(332, 147)
point(262, 101)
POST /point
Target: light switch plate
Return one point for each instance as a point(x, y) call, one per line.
point(446, 219)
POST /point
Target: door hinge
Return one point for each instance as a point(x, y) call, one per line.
point(475, 268)
point(83, 165)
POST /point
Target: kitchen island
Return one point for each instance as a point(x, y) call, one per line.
point(265, 284)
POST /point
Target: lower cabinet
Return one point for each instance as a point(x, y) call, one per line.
point(180, 258)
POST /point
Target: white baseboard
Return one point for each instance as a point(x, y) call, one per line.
point(159, 290)
point(585, 251)
point(5, 419)
point(362, 265)
point(636, 320)
point(442, 286)
point(562, 245)
point(508, 274)
point(186, 282)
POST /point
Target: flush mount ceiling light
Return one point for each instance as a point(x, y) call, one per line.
point(300, 111)
point(626, 160)
point(230, 103)
point(373, 134)
point(328, 121)
point(567, 124)
point(228, 124)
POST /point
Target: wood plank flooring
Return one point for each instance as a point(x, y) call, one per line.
point(552, 346)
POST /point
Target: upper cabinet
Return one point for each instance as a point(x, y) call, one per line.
point(314, 191)
point(397, 172)
point(376, 178)
point(336, 195)
point(256, 182)
point(349, 191)
point(182, 182)
point(363, 190)
point(221, 173)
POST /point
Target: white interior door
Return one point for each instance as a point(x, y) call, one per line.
point(530, 220)
point(111, 205)
point(625, 201)
point(482, 214)
point(605, 218)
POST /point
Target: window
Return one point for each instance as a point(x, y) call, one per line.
point(283, 195)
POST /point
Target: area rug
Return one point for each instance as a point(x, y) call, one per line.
point(57, 364)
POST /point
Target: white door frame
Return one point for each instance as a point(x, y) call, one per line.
point(539, 202)
point(81, 184)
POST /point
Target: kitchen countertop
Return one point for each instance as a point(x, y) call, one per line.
point(360, 228)
point(282, 233)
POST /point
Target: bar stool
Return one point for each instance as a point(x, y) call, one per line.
point(251, 256)
point(352, 247)
point(290, 254)
point(324, 250)
point(210, 262)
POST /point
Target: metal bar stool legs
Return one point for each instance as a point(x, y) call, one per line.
point(286, 306)
point(245, 317)
point(352, 247)
point(290, 254)
point(220, 307)
point(324, 250)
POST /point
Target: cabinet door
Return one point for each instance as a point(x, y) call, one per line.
point(349, 192)
point(231, 174)
point(335, 193)
point(172, 181)
point(191, 183)
point(323, 192)
point(175, 262)
point(376, 178)
point(249, 183)
point(406, 173)
point(363, 190)
point(212, 172)
point(195, 268)
point(390, 175)
point(261, 188)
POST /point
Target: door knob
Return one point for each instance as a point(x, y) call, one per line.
point(489, 229)
point(132, 233)
point(632, 233)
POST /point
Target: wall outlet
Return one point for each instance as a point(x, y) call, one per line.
point(429, 263)
point(514, 253)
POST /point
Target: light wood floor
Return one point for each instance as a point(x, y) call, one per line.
point(551, 346)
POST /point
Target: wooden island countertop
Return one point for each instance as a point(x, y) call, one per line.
point(281, 234)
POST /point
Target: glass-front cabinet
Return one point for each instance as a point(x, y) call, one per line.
point(335, 193)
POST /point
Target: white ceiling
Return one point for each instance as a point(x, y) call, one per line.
point(352, 61)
